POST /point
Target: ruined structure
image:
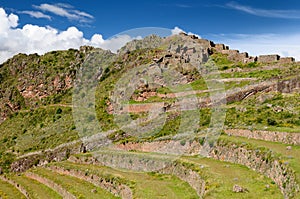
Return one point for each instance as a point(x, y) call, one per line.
point(268, 58)
point(236, 56)
point(286, 60)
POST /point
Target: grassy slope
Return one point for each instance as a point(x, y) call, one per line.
point(8, 191)
point(219, 176)
point(41, 128)
point(256, 114)
point(77, 187)
point(291, 157)
point(223, 175)
point(146, 185)
point(35, 189)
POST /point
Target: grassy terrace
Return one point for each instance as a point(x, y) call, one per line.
point(77, 187)
point(223, 176)
point(147, 185)
point(8, 191)
point(35, 189)
point(219, 176)
point(290, 157)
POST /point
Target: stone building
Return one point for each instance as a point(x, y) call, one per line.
point(221, 47)
point(286, 60)
point(268, 58)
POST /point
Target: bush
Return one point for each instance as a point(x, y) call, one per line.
point(59, 111)
point(271, 122)
point(201, 140)
point(182, 142)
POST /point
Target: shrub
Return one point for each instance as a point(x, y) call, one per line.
point(201, 140)
point(271, 122)
point(59, 111)
point(182, 142)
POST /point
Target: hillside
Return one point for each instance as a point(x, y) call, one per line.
point(194, 117)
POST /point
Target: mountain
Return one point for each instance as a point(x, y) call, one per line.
point(180, 110)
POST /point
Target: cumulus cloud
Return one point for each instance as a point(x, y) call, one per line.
point(65, 10)
point(113, 43)
point(7, 21)
point(177, 30)
point(37, 39)
point(287, 45)
point(36, 14)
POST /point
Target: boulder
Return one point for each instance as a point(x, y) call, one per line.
point(238, 189)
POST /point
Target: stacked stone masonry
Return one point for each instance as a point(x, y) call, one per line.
point(236, 56)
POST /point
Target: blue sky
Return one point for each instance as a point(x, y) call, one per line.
point(250, 25)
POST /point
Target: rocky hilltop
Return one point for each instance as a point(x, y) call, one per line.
point(194, 87)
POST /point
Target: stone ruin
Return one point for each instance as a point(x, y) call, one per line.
point(275, 58)
point(236, 56)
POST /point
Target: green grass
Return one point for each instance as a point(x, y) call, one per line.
point(277, 112)
point(231, 85)
point(77, 187)
point(219, 176)
point(291, 157)
point(222, 176)
point(38, 129)
point(147, 185)
point(35, 189)
point(222, 61)
point(8, 191)
point(262, 74)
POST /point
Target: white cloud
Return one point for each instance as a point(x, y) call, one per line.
point(285, 45)
point(37, 39)
point(284, 14)
point(65, 10)
point(113, 43)
point(177, 30)
point(36, 14)
point(7, 21)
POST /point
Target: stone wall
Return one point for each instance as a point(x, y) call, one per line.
point(250, 60)
point(111, 185)
point(289, 86)
point(288, 138)
point(187, 175)
point(286, 60)
point(149, 163)
point(16, 185)
point(64, 193)
point(41, 158)
point(260, 161)
point(268, 58)
point(236, 56)
point(220, 47)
